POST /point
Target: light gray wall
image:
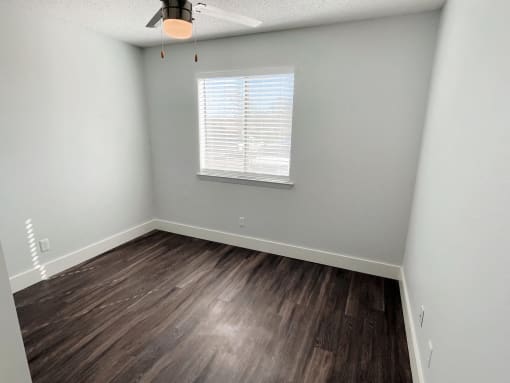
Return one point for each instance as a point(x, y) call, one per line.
point(360, 100)
point(74, 148)
point(457, 261)
point(13, 362)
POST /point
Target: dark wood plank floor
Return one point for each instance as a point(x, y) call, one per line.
point(168, 308)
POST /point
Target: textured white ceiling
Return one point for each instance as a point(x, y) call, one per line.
point(126, 19)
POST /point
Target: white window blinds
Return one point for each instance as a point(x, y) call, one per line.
point(246, 125)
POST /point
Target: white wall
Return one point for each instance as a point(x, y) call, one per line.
point(360, 99)
point(74, 148)
point(13, 362)
point(458, 261)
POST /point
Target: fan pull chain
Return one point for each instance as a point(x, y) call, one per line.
point(195, 40)
point(162, 46)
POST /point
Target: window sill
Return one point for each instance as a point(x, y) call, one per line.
point(267, 181)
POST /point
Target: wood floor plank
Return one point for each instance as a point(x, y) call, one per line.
point(319, 366)
point(168, 308)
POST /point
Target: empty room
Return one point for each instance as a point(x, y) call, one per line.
point(254, 191)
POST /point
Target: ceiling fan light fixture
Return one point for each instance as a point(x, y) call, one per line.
point(177, 18)
point(178, 29)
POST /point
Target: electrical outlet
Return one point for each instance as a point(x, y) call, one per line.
point(431, 350)
point(44, 245)
point(242, 221)
point(422, 316)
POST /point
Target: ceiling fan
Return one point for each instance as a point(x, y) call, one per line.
point(177, 17)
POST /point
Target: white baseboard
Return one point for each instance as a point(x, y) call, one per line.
point(55, 266)
point(24, 279)
point(306, 254)
point(412, 340)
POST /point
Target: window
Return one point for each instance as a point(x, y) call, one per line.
point(246, 126)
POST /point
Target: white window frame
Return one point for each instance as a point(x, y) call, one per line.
point(243, 177)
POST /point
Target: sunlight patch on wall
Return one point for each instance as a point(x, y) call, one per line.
point(34, 252)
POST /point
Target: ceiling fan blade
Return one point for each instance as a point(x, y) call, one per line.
point(219, 13)
point(155, 19)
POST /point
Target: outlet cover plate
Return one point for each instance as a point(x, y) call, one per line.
point(44, 245)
